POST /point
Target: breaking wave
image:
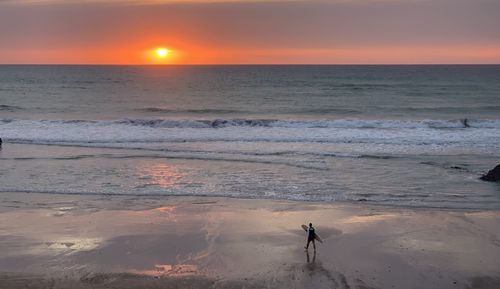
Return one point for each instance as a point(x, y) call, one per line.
point(274, 123)
point(9, 108)
point(472, 134)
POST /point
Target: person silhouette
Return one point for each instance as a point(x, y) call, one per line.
point(310, 237)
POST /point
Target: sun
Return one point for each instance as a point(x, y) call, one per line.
point(162, 52)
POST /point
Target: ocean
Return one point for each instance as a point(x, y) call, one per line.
point(412, 136)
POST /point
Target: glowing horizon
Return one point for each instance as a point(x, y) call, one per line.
point(250, 32)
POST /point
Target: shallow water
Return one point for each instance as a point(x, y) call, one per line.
point(392, 135)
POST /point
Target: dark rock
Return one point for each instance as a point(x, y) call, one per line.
point(493, 175)
point(362, 200)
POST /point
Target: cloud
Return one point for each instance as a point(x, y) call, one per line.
point(164, 2)
point(130, 2)
point(320, 29)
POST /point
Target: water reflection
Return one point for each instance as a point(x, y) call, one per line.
point(73, 244)
point(311, 266)
point(160, 270)
point(168, 212)
point(368, 218)
point(309, 260)
point(163, 175)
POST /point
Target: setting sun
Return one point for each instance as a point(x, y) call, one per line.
point(162, 52)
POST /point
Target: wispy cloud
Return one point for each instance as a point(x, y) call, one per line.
point(131, 2)
point(159, 2)
point(251, 31)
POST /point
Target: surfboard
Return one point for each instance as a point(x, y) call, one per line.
point(316, 237)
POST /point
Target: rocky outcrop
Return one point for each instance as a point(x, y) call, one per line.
point(493, 175)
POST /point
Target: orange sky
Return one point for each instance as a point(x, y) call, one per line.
point(250, 32)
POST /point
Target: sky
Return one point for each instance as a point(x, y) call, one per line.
point(250, 32)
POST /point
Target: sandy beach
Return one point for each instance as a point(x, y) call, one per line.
point(188, 144)
point(51, 241)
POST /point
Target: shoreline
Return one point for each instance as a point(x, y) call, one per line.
point(140, 173)
point(159, 198)
point(75, 241)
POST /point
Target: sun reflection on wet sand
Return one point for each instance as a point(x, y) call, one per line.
point(163, 175)
point(166, 209)
point(168, 212)
point(74, 244)
point(161, 270)
point(229, 239)
point(367, 218)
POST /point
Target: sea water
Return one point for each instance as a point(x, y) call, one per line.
point(391, 135)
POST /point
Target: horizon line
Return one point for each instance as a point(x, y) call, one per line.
point(238, 64)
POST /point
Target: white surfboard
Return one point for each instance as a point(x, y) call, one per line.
point(316, 237)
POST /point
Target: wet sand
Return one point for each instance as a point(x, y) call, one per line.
point(56, 241)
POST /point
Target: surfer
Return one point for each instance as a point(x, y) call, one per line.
point(310, 237)
point(465, 122)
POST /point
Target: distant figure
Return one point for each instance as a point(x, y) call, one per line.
point(310, 237)
point(465, 123)
point(0, 141)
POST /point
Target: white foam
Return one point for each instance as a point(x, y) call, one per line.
point(484, 134)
